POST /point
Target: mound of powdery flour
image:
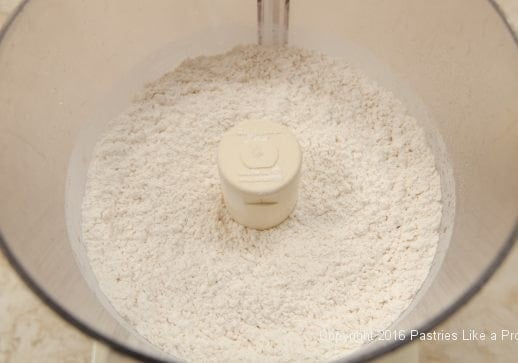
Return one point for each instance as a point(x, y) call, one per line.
point(202, 287)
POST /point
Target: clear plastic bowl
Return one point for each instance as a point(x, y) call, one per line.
point(67, 67)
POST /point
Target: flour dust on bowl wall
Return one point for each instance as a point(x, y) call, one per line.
point(185, 191)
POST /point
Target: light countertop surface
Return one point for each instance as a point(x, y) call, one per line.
point(30, 332)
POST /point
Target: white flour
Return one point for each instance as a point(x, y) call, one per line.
point(204, 288)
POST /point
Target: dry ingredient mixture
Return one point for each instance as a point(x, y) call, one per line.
point(202, 287)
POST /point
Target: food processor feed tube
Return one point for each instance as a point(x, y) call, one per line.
point(273, 19)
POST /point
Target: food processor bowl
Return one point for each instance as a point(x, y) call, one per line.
point(68, 67)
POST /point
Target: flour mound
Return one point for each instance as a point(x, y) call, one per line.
point(200, 286)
